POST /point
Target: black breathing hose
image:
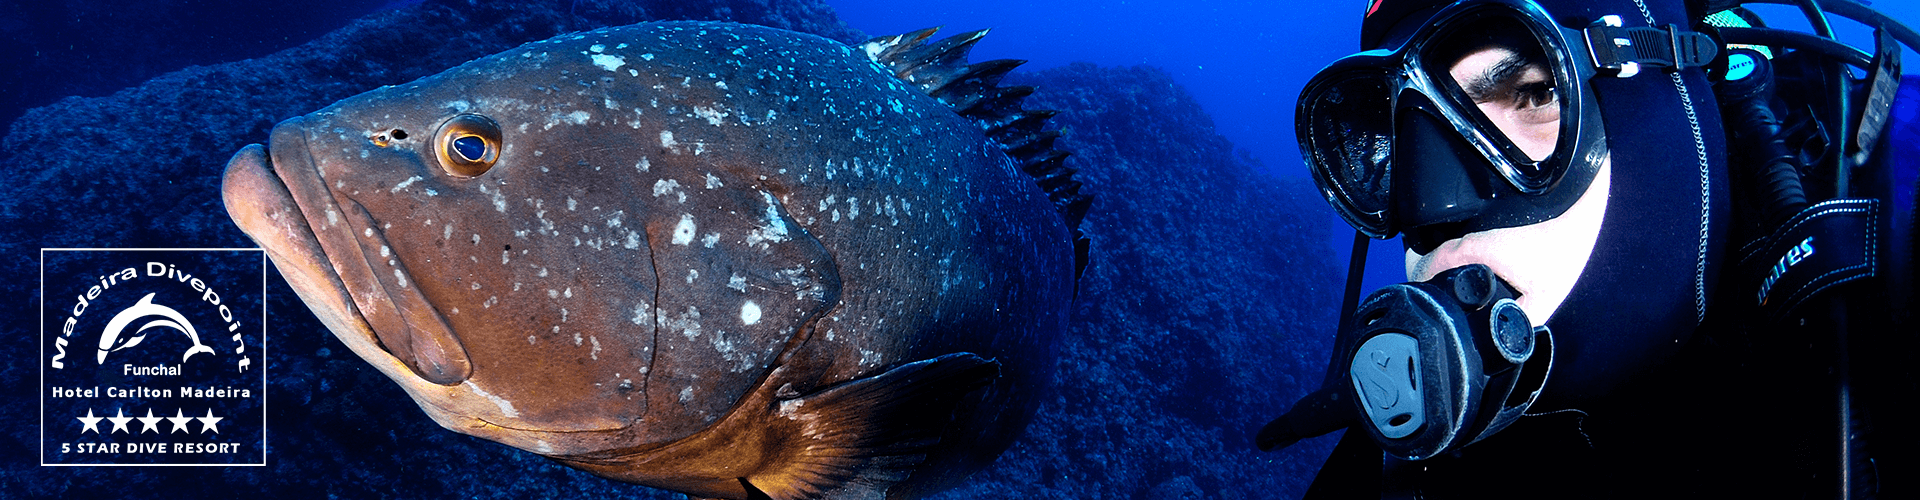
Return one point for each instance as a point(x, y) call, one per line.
point(1755, 130)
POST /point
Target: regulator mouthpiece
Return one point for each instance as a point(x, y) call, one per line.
point(1445, 362)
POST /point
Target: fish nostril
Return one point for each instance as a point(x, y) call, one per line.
point(398, 134)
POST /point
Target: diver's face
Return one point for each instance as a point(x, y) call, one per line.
point(1540, 260)
point(1516, 93)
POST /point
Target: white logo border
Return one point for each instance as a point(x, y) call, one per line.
point(42, 340)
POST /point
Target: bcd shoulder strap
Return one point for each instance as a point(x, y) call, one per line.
point(1826, 245)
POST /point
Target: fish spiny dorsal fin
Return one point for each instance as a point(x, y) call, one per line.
point(940, 69)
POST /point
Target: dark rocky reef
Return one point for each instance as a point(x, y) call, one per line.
point(1206, 308)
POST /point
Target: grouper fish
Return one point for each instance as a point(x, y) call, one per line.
point(725, 260)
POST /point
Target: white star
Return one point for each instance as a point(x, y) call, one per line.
point(91, 423)
point(206, 422)
point(120, 420)
point(150, 422)
point(179, 420)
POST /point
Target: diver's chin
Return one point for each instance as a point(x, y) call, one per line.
point(1542, 261)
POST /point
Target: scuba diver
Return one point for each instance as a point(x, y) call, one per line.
point(1654, 248)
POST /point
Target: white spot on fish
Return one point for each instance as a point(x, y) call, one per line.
point(666, 139)
point(686, 395)
point(738, 283)
point(683, 232)
point(609, 62)
point(750, 313)
point(506, 407)
point(400, 277)
point(644, 165)
point(710, 240)
point(712, 182)
point(404, 184)
point(711, 115)
point(640, 313)
point(664, 186)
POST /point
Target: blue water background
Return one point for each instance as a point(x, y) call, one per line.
point(1245, 61)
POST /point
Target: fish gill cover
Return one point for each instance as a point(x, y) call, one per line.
point(1202, 311)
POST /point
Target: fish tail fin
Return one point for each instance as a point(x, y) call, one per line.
point(196, 349)
point(858, 438)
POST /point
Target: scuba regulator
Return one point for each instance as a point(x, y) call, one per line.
point(1438, 364)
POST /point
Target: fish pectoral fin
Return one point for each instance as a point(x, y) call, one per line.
point(856, 439)
point(852, 440)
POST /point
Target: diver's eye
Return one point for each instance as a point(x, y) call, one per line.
point(468, 145)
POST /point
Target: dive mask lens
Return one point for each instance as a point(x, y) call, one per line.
point(1345, 125)
point(1498, 77)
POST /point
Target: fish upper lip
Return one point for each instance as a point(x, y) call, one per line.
point(259, 202)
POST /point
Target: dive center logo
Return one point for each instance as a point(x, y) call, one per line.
point(153, 357)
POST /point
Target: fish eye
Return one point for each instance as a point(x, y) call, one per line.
point(468, 145)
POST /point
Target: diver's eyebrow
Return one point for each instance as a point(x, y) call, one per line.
point(1479, 86)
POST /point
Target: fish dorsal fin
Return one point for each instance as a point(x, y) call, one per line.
point(941, 70)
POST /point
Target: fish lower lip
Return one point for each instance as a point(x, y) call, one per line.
point(404, 323)
point(260, 204)
point(285, 204)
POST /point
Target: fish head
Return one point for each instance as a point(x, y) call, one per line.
point(524, 246)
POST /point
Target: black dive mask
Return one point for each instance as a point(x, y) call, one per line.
point(1395, 142)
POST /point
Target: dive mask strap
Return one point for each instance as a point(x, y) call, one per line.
point(1626, 50)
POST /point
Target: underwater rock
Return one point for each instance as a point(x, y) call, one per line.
point(1208, 302)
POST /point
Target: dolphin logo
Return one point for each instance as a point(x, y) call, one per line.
point(112, 341)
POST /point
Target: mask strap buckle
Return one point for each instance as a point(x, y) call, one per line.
point(1625, 50)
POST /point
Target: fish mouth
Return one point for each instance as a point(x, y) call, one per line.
point(325, 244)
